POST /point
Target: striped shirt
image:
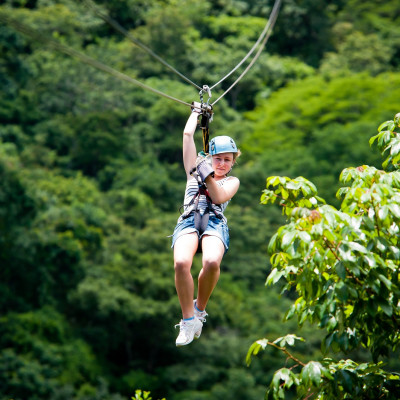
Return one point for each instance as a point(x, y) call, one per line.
point(192, 188)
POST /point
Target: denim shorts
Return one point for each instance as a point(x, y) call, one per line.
point(215, 227)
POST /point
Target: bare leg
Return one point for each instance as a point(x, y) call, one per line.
point(184, 250)
point(213, 251)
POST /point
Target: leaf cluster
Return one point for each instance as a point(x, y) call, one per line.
point(343, 265)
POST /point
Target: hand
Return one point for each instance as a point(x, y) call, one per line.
point(203, 156)
point(204, 169)
point(196, 107)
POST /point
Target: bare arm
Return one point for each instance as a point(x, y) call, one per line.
point(221, 194)
point(189, 147)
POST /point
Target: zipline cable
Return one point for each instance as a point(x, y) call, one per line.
point(124, 32)
point(272, 19)
point(264, 36)
point(269, 25)
point(32, 33)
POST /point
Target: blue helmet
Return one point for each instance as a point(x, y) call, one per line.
point(222, 144)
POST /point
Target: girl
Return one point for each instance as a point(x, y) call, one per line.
point(210, 234)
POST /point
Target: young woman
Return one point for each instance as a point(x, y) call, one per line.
point(213, 235)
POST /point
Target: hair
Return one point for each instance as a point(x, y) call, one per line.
point(236, 155)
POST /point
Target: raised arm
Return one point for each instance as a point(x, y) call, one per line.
point(189, 147)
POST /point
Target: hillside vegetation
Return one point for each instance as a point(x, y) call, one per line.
point(92, 181)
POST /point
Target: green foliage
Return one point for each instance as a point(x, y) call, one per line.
point(358, 53)
point(17, 207)
point(388, 143)
point(315, 128)
point(40, 357)
point(142, 395)
point(367, 17)
point(302, 20)
point(92, 180)
point(343, 265)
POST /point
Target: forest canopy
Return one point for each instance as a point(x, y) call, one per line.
point(92, 181)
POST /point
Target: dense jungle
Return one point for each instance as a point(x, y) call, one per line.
point(92, 181)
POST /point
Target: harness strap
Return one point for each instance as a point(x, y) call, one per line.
point(206, 115)
point(201, 221)
point(206, 130)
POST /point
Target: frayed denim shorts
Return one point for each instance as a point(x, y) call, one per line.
point(215, 227)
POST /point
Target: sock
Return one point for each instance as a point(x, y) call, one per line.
point(195, 306)
point(188, 319)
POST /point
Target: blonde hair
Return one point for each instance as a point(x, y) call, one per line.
point(236, 155)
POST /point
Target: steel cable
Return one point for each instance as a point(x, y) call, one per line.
point(32, 33)
point(124, 32)
point(263, 38)
point(271, 23)
point(268, 26)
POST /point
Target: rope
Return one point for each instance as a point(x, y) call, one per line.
point(271, 23)
point(124, 32)
point(33, 34)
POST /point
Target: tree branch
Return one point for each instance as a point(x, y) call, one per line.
point(287, 353)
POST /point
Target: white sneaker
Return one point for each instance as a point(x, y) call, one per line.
point(189, 330)
point(201, 315)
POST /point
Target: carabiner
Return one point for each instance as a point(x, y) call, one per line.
point(205, 89)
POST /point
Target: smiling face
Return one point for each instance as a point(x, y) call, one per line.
point(222, 164)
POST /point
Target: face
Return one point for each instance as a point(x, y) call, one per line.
point(222, 163)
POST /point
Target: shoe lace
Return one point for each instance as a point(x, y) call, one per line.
point(182, 325)
point(202, 316)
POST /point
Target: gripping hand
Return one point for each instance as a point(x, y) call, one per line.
point(196, 107)
point(204, 168)
point(201, 156)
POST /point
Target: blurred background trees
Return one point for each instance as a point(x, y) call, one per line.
point(92, 181)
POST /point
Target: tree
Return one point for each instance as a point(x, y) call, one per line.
point(315, 128)
point(352, 55)
point(343, 265)
point(92, 182)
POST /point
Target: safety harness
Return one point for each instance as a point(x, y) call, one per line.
point(201, 220)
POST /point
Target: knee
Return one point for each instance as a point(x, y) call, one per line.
point(182, 265)
point(211, 265)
